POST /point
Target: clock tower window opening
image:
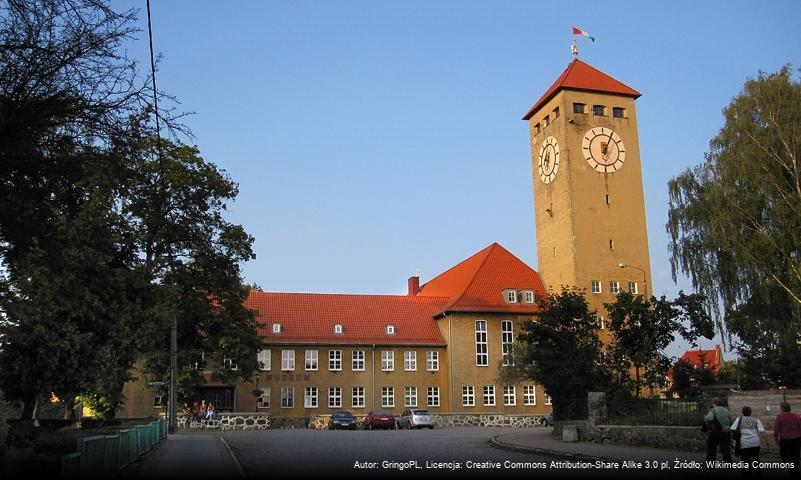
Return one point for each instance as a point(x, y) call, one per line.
point(546, 121)
point(556, 112)
point(618, 112)
point(579, 107)
point(599, 110)
point(536, 128)
point(611, 244)
point(596, 286)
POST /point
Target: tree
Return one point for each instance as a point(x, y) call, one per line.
point(642, 329)
point(735, 219)
point(567, 329)
point(688, 377)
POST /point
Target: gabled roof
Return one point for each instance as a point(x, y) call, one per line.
point(476, 284)
point(581, 76)
point(309, 318)
point(713, 358)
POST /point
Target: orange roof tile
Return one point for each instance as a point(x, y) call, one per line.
point(581, 76)
point(310, 318)
point(713, 357)
point(476, 284)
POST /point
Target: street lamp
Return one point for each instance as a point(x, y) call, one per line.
point(644, 280)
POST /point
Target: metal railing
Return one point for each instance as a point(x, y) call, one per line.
point(657, 411)
point(104, 455)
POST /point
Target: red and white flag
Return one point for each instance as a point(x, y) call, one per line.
point(578, 31)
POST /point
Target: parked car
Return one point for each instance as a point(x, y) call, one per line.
point(379, 419)
point(342, 420)
point(415, 418)
point(547, 420)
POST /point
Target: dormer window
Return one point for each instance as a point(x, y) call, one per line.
point(390, 329)
point(528, 296)
point(510, 296)
point(338, 329)
point(276, 328)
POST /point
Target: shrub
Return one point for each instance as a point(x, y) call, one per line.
point(3, 423)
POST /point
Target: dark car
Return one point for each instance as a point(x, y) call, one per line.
point(342, 420)
point(416, 418)
point(379, 419)
point(547, 420)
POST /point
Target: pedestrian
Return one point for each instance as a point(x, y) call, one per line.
point(719, 431)
point(185, 410)
point(195, 411)
point(203, 409)
point(210, 412)
point(787, 431)
point(750, 429)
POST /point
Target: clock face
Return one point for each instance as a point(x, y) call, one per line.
point(548, 160)
point(603, 149)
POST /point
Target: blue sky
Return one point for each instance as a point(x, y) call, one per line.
point(375, 139)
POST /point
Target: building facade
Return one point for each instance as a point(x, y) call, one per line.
point(441, 347)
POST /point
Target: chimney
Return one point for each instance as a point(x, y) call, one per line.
point(414, 286)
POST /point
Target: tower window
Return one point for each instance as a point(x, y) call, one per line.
point(596, 286)
point(579, 108)
point(618, 112)
point(556, 112)
point(598, 110)
point(611, 244)
point(536, 128)
point(546, 121)
point(607, 199)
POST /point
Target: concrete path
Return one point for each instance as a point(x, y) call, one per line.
point(187, 455)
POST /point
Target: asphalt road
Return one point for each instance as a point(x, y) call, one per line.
point(444, 453)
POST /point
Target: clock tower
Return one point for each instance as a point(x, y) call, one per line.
point(588, 194)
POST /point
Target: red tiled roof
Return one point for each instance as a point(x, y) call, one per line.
point(713, 357)
point(580, 76)
point(310, 318)
point(476, 284)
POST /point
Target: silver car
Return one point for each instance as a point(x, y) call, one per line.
point(414, 418)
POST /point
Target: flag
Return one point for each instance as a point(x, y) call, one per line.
point(578, 31)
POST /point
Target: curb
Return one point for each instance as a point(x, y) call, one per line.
point(233, 457)
point(495, 443)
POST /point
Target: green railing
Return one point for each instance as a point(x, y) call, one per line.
point(105, 455)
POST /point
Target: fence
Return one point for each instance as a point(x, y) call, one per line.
point(656, 411)
point(103, 456)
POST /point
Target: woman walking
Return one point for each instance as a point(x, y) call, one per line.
point(751, 433)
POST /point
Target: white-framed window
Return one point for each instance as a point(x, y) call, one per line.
point(529, 395)
point(489, 395)
point(263, 400)
point(482, 358)
point(310, 397)
point(390, 329)
point(432, 361)
point(548, 400)
point(335, 397)
point(509, 397)
point(410, 396)
point(614, 287)
point(287, 360)
point(387, 397)
point(338, 329)
point(596, 286)
point(528, 296)
point(265, 360)
point(276, 328)
point(357, 360)
point(599, 320)
point(633, 288)
point(507, 338)
point(410, 361)
point(510, 296)
point(312, 357)
point(229, 364)
point(335, 360)
point(433, 396)
point(357, 397)
point(158, 401)
point(287, 397)
point(387, 360)
point(468, 396)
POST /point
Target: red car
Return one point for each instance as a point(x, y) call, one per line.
point(379, 419)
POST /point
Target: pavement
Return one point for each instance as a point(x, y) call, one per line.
point(187, 455)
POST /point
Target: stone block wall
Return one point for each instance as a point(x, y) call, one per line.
point(688, 439)
point(486, 420)
point(229, 421)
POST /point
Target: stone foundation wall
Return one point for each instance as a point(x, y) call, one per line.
point(688, 439)
point(486, 420)
point(229, 421)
